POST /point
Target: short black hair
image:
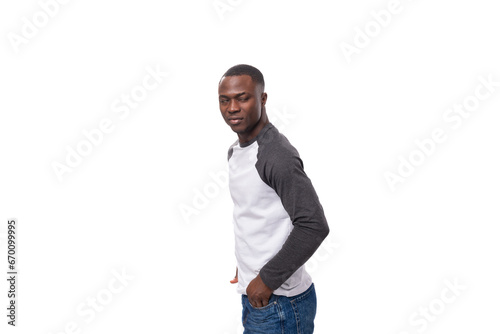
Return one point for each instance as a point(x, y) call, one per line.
point(243, 69)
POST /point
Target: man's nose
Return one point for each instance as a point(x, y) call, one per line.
point(233, 106)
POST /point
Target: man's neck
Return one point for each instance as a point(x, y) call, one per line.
point(255, 131)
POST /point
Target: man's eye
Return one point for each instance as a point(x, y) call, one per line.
point(223, 101)
point(243, 99)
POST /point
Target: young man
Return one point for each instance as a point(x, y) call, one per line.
point(278, 219)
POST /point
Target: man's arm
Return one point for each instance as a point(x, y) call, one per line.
point(287, 177)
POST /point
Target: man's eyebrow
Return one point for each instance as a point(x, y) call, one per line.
point(236, 96)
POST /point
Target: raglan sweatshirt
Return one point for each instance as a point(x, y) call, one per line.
point(277, 218)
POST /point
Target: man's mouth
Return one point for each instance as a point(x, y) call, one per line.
point(235, 121)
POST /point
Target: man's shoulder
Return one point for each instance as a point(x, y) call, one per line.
point(277, 158)
point(275, 147)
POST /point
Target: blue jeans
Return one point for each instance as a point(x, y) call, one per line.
point(283, 315)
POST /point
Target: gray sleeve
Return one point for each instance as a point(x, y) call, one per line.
point(284, 172)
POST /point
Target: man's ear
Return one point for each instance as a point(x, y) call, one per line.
point(263, 99)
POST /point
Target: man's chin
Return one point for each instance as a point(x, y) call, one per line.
point(238, 128)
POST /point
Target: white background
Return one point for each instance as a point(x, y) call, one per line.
point(119, 209)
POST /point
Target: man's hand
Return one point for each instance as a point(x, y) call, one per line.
point(258, 293)
point(235, 279)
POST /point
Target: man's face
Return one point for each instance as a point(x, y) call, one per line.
point(241, 101)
